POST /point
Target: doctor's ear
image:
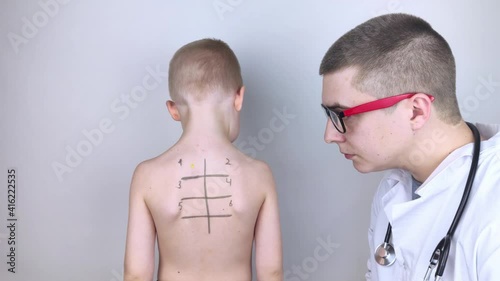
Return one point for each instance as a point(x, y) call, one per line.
point(173, 110)
point(238, 100)
point(421, 110)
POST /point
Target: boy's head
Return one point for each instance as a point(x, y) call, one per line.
point(202, 71)
point(395, 54)
point(206, 87)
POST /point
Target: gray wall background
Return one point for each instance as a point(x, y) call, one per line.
point(68, 67)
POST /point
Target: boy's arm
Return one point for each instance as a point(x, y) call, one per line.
point(268, 249)
point(141, 232)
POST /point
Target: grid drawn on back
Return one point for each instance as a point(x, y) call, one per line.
point(206, 196)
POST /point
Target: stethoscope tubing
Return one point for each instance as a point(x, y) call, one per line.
point(470, 180)
point(443, 258)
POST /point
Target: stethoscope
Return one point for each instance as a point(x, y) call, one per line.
point(385, 254)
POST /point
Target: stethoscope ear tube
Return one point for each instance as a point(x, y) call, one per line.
point(443, 258)
point(470, 179)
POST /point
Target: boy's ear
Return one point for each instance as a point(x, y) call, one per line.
point(173, 110)
point(238, 101)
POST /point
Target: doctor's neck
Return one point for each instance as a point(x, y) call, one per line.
point(433, 144)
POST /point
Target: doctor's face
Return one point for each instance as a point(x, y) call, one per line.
point(373, 140)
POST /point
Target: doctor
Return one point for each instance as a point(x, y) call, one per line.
point(389, 94)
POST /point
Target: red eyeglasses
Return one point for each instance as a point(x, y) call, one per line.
point(365, 107)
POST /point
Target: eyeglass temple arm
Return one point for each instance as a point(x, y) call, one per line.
point(379, 104)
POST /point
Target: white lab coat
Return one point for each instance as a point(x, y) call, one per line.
point(418, 225)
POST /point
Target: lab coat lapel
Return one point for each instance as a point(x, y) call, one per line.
point(417, 225)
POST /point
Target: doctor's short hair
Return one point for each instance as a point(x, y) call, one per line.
point(395, 54)
point(203, 68)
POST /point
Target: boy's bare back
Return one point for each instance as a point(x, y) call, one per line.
point(205, 208)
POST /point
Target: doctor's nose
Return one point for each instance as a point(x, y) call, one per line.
point(332, 135)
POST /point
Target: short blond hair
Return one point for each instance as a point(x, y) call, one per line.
point(203, 68)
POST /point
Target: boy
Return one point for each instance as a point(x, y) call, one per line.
point(203, 200)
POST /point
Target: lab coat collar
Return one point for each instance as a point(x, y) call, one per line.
point(489, 132)
point(400, 191)
point(440, 176)
point(439, 180)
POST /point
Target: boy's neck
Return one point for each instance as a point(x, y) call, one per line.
point(205, 128)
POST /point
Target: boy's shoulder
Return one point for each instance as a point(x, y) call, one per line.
point(174, 157)
point(156, 164)
point(253, 164)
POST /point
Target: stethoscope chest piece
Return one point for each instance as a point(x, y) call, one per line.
point(384, 254)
